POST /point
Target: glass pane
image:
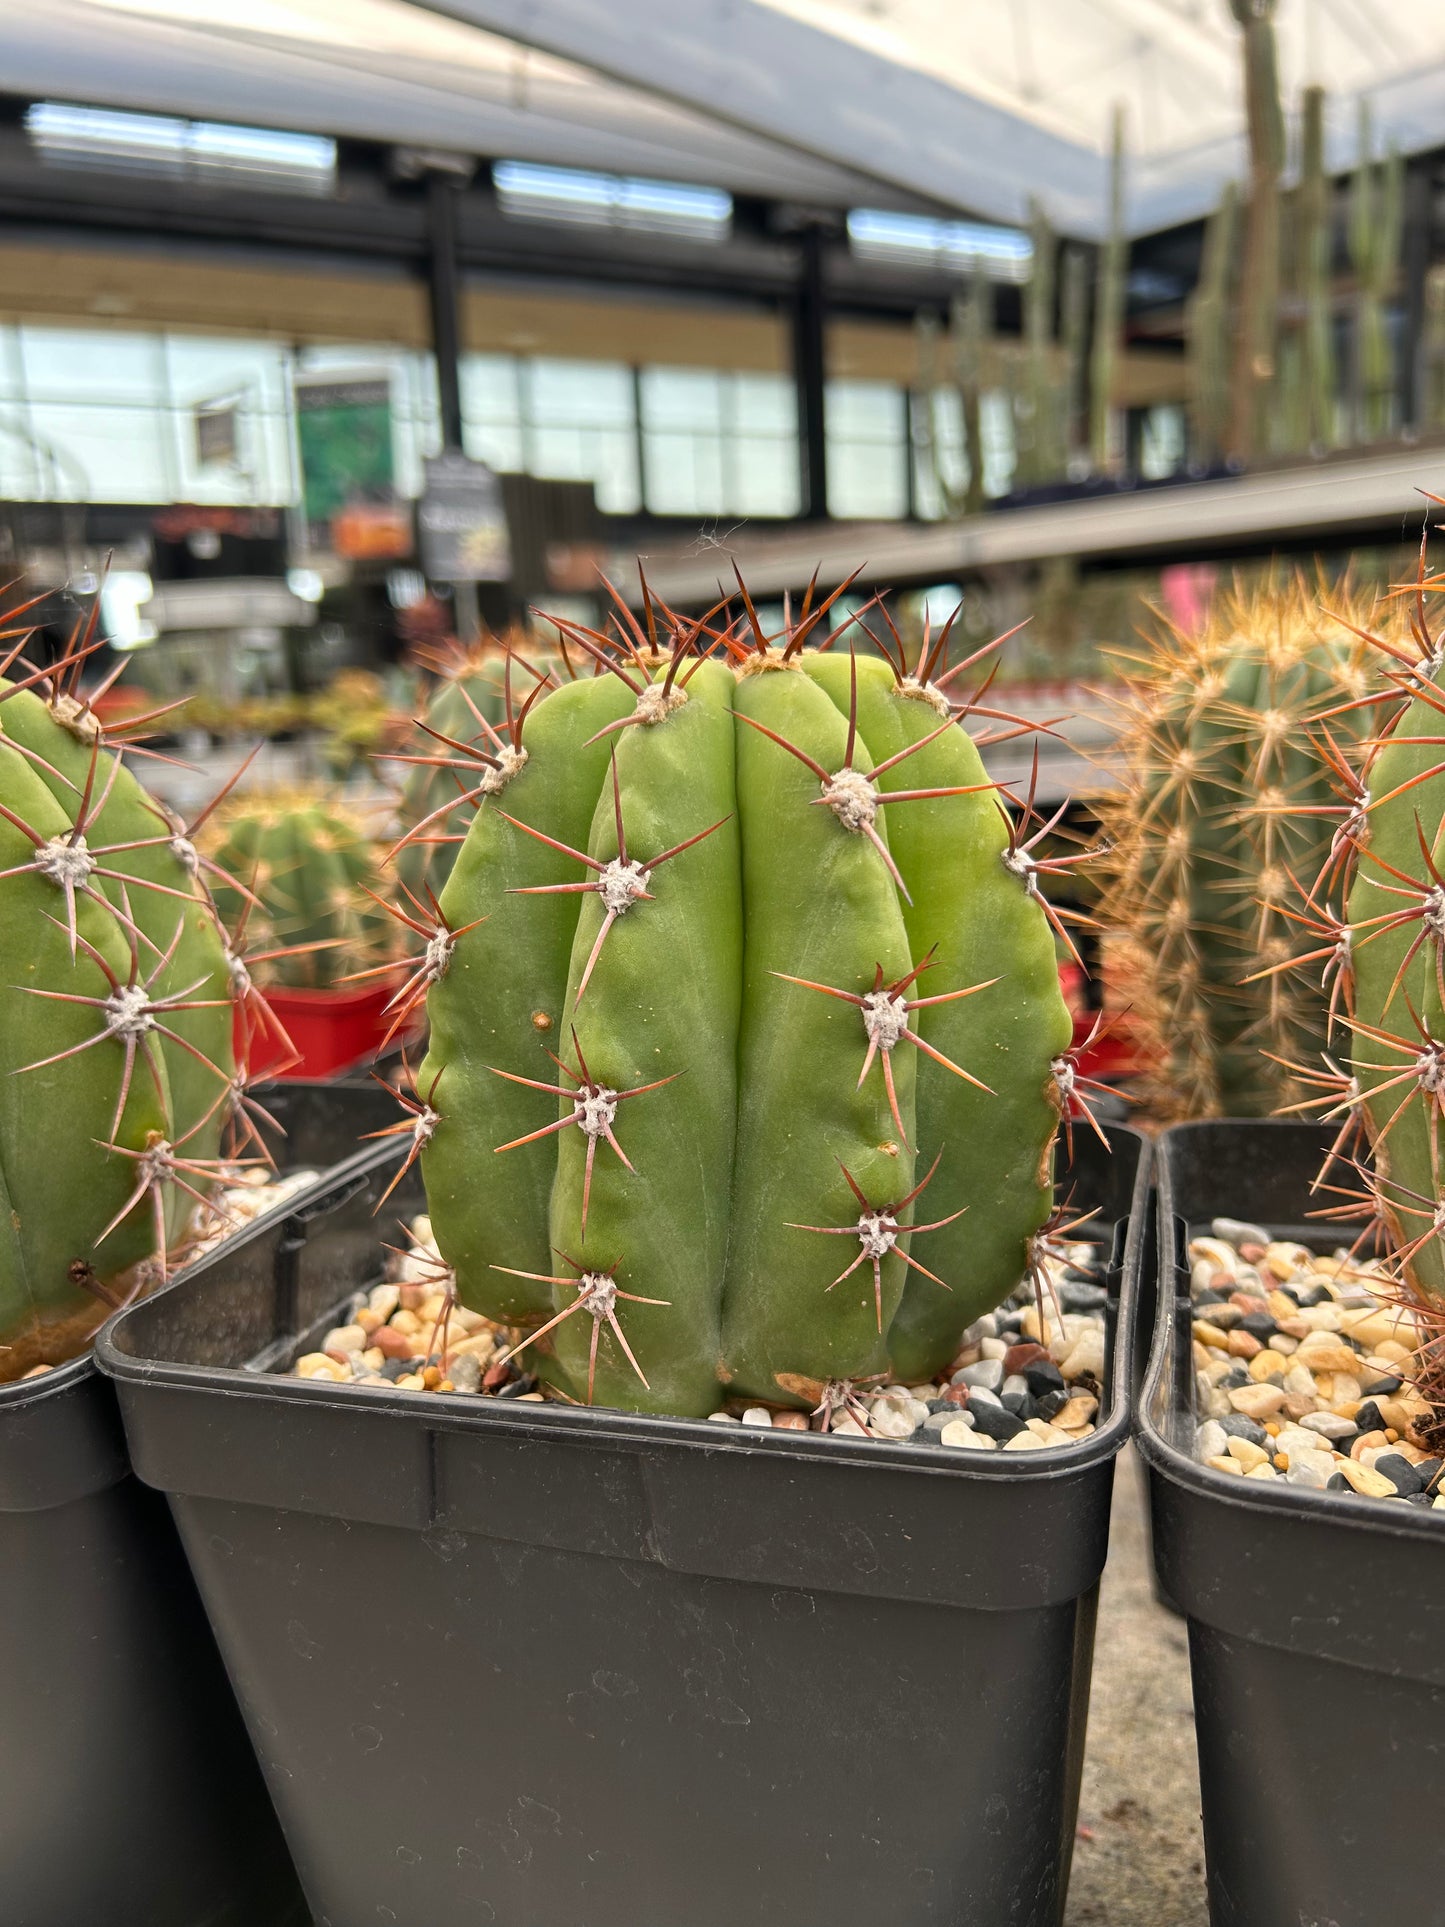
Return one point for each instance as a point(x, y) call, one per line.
point(591, 392)
point(868, 450)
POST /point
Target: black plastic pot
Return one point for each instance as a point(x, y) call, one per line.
point(130, 1796)
point(1316, 1620)
point(553, 1667)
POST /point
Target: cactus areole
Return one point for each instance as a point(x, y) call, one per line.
point(117, 1077)
point(746, 994)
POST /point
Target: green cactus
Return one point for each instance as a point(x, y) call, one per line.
point(1237, 741)
point(1109, 308)
point(1255, 337)
point(1208, 330)
point(1395, 951)
point(318, 906)
point(1376, 226)
point(117, 1078)
point(665, 1122)
point(1039, 426)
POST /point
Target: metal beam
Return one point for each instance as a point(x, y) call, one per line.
point(810, 371)
point(752, 67)
point(1377, 494)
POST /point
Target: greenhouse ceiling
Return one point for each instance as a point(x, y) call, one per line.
point(964, 105)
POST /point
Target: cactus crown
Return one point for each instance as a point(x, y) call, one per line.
point(311, 908)
point(747, 956)
point(1237, 740)
point(117, 1079)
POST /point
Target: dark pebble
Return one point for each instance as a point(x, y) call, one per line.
point(1398, 1470)
point(1428, 1471)
point(1382, 1387)
point(996, 1421)
point(1211, 1297)
point(1419, 1498)
point(1237, 1426)
point(1259, 1325)
point(1082, 1297)
point(1368, 1419)
point(1337, 1482)
point(1232, 1380)
point(1319, 1296)
point(1021, 1404)
point(1290, 1291)
point(395, 1368)
point(1052, 1402)
point(1343, 1442)
point(1043, 1376)
point(517, 1387)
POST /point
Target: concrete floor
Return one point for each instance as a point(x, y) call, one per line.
point(1139, 1855)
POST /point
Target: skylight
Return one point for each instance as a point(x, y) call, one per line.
point(1000, 253)
point(212, 152)
point(530, 192)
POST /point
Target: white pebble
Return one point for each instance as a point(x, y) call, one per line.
point(759, 1416)
point(1210, 1440)
point(721, 1418)
point(964, 1438)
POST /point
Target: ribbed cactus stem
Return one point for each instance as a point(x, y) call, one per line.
point(1255, 341)
point(970, 329)
point(752, 987)
point(1109, 309)
point(1376, 225)
point(1314, 238)
point(1074, 336)
point(1036, 413)
point(1209, 330)
point(117, 1081)
point(1240, 789)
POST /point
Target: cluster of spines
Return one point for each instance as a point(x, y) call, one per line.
point(1238, 742)
point(1379, 923)
point(159, 985)
point(655, 657)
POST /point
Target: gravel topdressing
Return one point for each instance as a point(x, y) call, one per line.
point(1303, 1370)
point(1015, 1385)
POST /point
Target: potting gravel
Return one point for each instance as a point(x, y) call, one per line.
point(1013, 1386)
point(242, 1194)
point(1302, 1368)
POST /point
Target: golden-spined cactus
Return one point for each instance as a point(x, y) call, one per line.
point(1237, 745)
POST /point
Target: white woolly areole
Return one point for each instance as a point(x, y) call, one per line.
point(655, 703)
point(424, 1125)
point(127, 1011)
point(79, 718)
point(156, 1163)
point(595, 1109)
point(185, 853)
point(1021, 865)
point(852, 799)
point(885, 1018)
point(1430, 1069)
point(877, 1233)
point(924, 692)
point(510, 761)
point(239, 975)
point(599, 1293)
point(620, 884)
point(438, 954)
point(67, 864)
point(1432, 912)
point(1065, 1075)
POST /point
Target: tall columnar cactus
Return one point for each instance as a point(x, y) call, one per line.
point(312, 888)
point(1255, 334)
point(747, 1050)
point(1109, 308)
point(1208, 329)
point(116, 1072)
point(1039, 432)
point(1376, 226)
point(1236, 741)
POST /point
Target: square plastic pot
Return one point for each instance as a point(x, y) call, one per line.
point(131, 1793)
point(549, 1666)
point(1316, 1620)
point(334, 1030)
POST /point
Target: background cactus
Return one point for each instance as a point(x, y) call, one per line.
point(313, 872)
point(1376, 227)
point(1230, 811)
point(116, 1070)
point(721, 975)
point(1255, 333)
